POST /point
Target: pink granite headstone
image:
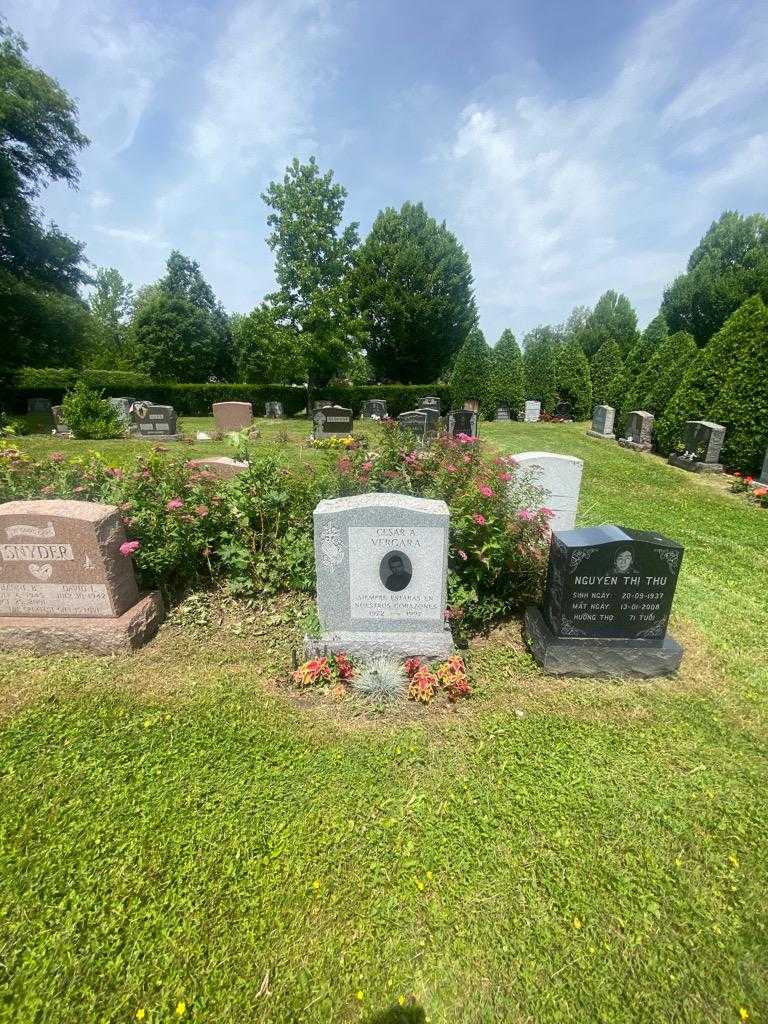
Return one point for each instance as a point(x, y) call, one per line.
point(232, 416)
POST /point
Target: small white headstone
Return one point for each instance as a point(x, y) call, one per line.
point(559, 476)
point(532, 412)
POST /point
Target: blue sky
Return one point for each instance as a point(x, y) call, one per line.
point(572, 146)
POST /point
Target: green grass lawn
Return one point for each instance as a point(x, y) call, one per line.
point(179, 827)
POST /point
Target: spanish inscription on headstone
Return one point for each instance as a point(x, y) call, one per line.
point(332, 420)
point(607, 602)
point(382, 566)
point(62, 560)
point(603, 417)
point(703, 444)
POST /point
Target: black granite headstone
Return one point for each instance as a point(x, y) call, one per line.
point(332, 419)
point(416, 420)
point(462, 421)
point(607, 601)
point(564, 411)
point(502, 413)
point(374, 407)
point(154, 420)
point(703, 444)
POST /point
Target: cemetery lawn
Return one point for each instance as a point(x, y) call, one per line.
point(181, 835)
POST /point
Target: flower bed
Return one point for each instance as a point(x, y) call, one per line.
point(746, 485)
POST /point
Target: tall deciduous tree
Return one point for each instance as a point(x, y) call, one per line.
point(507, 381)
point(173, 338)
point(728, 265)
point(540, 348)
point(40, 268)
point(111, 305)
point(612, 319)
point(265, 351)
point(412, 283)
point(313, 257)
point(184, 279)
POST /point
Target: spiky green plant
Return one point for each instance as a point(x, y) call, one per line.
point(381, 679)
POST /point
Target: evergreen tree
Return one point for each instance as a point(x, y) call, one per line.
point(412, 284)
point(183, 279)
point(507, 385)
point(654, 386)
point(727, 382)
point(606, 365)
point(654, 334)
point(471, 375)
point(540, 366)
point(612, 319)
point(572, 377)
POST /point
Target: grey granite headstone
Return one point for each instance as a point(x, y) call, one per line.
point(502, 413)
point(60, 428)
point(154, 421)
point(638, 432)
point(38, 405)
point(764, 471)
point(559, 477)
point(603, 417)
point(417, 421)
point(273, 410)
point(430, 402)
point(382, 567)
point(703, 444)
point(532, 412)
point(462, 421)
point(607, 601)
point(374, 407)
point(332, 421)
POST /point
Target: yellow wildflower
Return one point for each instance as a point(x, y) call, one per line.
point(576, 923)
point(401, 1000)
point(734, 860)
point(181, 1008)
point(360, 994)
point(315, 885)
point(141, 1013)
point(744, 1013)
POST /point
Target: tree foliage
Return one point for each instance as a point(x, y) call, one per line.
point(471, 374)
point(572, 379)
point(184, 279)
point(728, 265)
point(313, 257)
point(111, 305)
point(266, 352)
point(507, 382)
point(612, 319)
point(540, 366)
point(412, 284)
point(654, 334)
point(39, 142)
point(654, 386)
point(727, 382)
point(605, 367)
point(173, 339)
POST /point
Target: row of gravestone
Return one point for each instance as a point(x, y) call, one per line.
point(67, 583)
point(701, 444)
point(337, 420)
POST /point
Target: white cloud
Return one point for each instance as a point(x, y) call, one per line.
point(136, 236)
point(559, 200)
point(99, 200)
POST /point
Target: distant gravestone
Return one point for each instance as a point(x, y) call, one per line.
point(638, 432)
point(564, 411)
point(532, 412)
point(703, 444)
point(462, 421)
point(332, 421)
point(415, 420)
point(607, 601)
point(60, 428)
point(430, 402)
point(232, 416)
point(64, 583)
point(374, 408)
point(502, 413)
point(220, 466)
point(273, 410)
point(603, 417)
point(764, 471)
point(38, 405)
point(155, 421)
point(382, 567)
point(559, 476)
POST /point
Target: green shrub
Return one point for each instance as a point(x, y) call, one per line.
point(727, 383)
point(657, 382)
point(88, 415)
point(540, 367)
point(507, 383)
point(604, 369)
point(573, 382)
point(471, 374)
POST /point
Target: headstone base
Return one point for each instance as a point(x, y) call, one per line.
point(695, 467)
point(121, 635)
point(157, 438)
point(636, 446)
point(606, 658)
point(369, 645)
point(603, 437)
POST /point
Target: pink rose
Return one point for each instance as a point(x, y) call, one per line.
point(467, 458)
point(129, 548)
point(173, 504)
point(525, 514)
point(485, 490)
point(451, 469)
point(201, 510)
point(480, 520)
point(465, 439)
point(57, 456)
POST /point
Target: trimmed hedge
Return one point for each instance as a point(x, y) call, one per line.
point(197, 399)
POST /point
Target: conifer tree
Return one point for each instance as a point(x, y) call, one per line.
point(507, 383)
point(605, 367)
point(471, 375)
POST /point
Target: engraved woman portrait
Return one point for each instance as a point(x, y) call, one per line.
point(395, 570)
point(623, 562)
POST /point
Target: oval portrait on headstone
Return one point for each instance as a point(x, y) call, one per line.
point(623, 561)
point(395, 570)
